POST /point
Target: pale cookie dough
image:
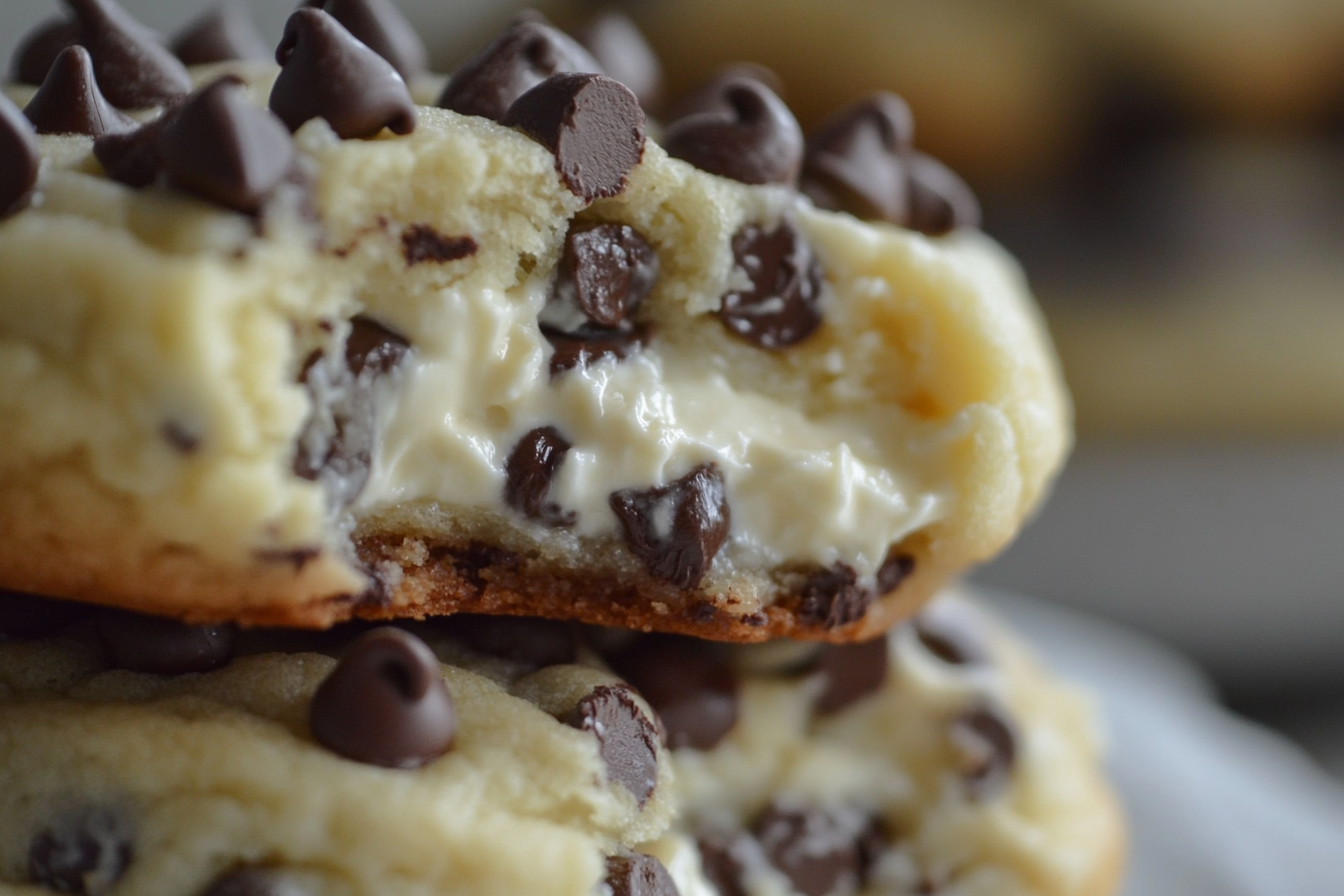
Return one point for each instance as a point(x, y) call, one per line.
point(193, 430)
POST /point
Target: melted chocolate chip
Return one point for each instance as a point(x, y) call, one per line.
point(20, 158)
point(605, 272)
point(380, 26)
point(40, 47)
point(689, 683)
point(134, 69)
point(724, 859)
point(745, 133)
point(528, 52)
point(385, 703)
point(987, 745)
point(818, 850)
point(949, 636)
point(592, 124)
point(530, 470)
point(421, 243)
point(372, 349)
point(223, 32)
point(590, 345)
point(163, 646)
point(833, 597)
point(623, 53)
point(858, 160)
point(639, 875)
point(30, 616)
point(223, 148)
point(895, 569)
point(254, 880)
point(626, 739)
point(133, 157)
point(532, 642)
point(940, 201)
point(678, 528)
point(327, 73)
point(783, 305)
point(85, 854)
point(69, 101)
point(850, 672)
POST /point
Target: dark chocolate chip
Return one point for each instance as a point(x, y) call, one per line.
point(709, 94)
point(783, 305)
point(590, 345)
point(833, 597)
point(745, 133)
point(85, 854)
point(678, 528)
point(626, 739)
point(30, 616)
point(529, 472)
point(592, 124)
point(605, 272)
point(895, 569)
point(818, 850)
point(40, 47)
point(850, 672)
point(859, 158)
point(380, 26)
point(949, 635)
point(255, 880)
point(163, 646)
point(624, 54)
point(527, 52)
point(222, 147)
point(327, 73)
point(20, 158)
point(689, 683)
point(532, 642)
point(940, 201)
point(986, 743)
point(385, 703)
point(133, 157)
point(724, 859)
point(134, 69)
point(372, 349)
point(222, 33)
point(69, 101)
point(421, 243)
point(639, 875)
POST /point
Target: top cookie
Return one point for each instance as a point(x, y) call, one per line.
point(297, 350)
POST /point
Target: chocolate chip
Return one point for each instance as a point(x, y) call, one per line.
point(724, 859)
point(329, 74)
point(858, 160)
point(163, 646)
point(20, 158)
point(527, 52)
point(133, 157)
point(626, 739)
point(949, 636)
point(783, 305)
point(689, 683)
point(850, 672)
point(526, 640)
point(385, 703)
point(895, 569)
point(529, 472)
point(86, 853)
point(678, 528)
point(590, 345)
point(986, 743)
point(40, 47)
point(709, 94)
point(372, 349)
point(421, 243)
point(380, 26)
point(134, 69)
point(940, 201)
point(183, 440)
point(222, 33)
point(745, 133)
point(639, 875)
point(816, 849)
point(255, 880)
point(833, 597)
point(30, 616)
point(592, 124)
point(223, 148)
point(624, 54)
point(605, 272)
point(69, 101)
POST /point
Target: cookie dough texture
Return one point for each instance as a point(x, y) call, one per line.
point(151, 348)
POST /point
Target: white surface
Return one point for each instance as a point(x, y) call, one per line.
point(1217, 806)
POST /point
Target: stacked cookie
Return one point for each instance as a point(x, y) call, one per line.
point(284, 353)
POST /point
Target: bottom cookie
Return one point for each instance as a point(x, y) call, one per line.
point(478, 755)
